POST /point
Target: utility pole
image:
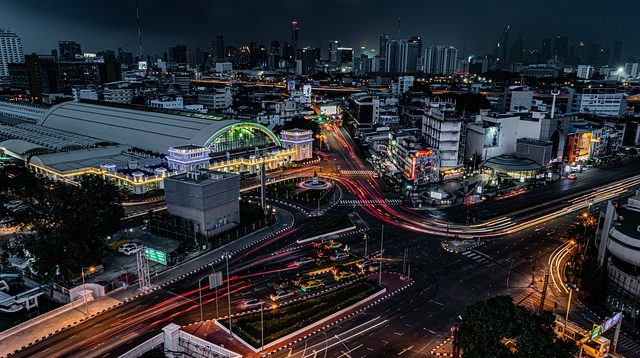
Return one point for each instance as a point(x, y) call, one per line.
point(404, 261)
point(262, 198)
point(544, 290)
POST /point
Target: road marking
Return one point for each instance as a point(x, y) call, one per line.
point(405, 350)
point(436, 302)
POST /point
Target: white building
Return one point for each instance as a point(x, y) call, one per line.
point(167, 103)
point(10, 52)
point(585, 71)
point(600, 101)
point(385, 110)
point(224, 67)
point(632, 70)
point(84, 93)
point(403, 85)
point(517, 99)
point(118, 94)
point(216, 98)
point(441, 129)
point(301, 140)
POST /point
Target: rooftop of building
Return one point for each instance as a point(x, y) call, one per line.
point(507, 162)
point(202, 177)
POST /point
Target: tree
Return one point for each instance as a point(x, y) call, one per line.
point(486, 323)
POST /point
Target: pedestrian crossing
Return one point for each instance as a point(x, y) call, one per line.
point(357, 172)
point(478, 258)
point(370, 202)
point(626, 342)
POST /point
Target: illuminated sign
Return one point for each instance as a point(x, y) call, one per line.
point(597, 330)
point(155, 256)
point(610, 322)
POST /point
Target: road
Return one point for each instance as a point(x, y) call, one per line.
point(409, 324)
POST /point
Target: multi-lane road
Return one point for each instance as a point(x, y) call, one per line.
point(518, 248)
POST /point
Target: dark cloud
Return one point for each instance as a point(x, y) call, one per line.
point(473, 24)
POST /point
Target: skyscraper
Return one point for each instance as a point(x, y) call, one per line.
point(295, 34)
point(515, 55)
point(408, 54)
point(391, 57)
point(440, 59)
point(333, 50)
point(502, 47)
point(10, 52)
point(617, 53)
point(69, 50)
point(382, 50)
point(561, 48)
point(546, 53)
point(218, 47)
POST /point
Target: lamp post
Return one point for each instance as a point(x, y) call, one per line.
point(366, 240)
point(84, 288)
point(262, 325)
point(200, 293)
point(571, 287)
point(227, 256)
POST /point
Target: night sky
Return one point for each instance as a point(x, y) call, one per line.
point(472, 24)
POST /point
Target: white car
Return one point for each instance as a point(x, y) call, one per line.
point(129, 249)
point(339, 256)
point(281, 295)
point(6, 222)
point(249, 304)
point(303, 261)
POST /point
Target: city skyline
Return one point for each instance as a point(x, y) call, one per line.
point(435, 23)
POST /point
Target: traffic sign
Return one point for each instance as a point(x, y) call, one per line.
point(612, 321)
point(155, 255)
point(215, 280)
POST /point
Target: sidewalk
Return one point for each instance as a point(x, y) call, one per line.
point(65, 320)
point(48, 327)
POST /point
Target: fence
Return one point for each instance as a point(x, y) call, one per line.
point(144, 347)
point(24, 325)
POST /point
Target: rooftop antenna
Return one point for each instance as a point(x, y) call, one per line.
point(139, 29)
point(398, 38)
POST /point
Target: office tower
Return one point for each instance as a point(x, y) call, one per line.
point(69, 50)
point(417, 40)
point(503, 45)
point(295, 34)
point(177, 54)
point(333, 50)
point(617, 53)
point(581, 52)
point(593, 57)
point(561, 48)
point(124, 57)
point(54, 53)
point(218, 48)
point(306, 62)
point(10, 52)
point(408, 54)
point(440, 59)
point(344, 55)
point(515, 55)
point(382, 49)
point(546, 53)
point(391, 57)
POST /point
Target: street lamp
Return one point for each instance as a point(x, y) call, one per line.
point(571, 287)
point(262, 325)
point(227, 256)
point(91, 269)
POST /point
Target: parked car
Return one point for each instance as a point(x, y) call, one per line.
point(311, 286)
point(129, 249)
point(339, 256)
point(343, 275)
point(249, 303)
point(281, 295)
point(572, 176)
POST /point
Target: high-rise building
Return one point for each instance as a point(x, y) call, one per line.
point(391, 57)
point(333, 50)
point(69, 50)
point(218, 47)
point(502, 48)
point(584, 71)
point(617, 53)
point(10, 52)
point(561, 48)
point(581, 52)
point(177, 54)
point(408, 55)
point(440, 59)
point(37, 75)
point(546, 53)
point(516, 53)
point(344, 55)
point(295, 34)
point(306, 62)
point(124, 57)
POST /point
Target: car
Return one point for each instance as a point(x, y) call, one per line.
point(311, 285)
point(249, 303)
point(129, 249)
point(6, 222)
point(303, 261)
point(281, 295)
point(280, 285)
point(318, 243)
point(339, 256)
point(343, 275)
point(333, 245)
point(128, 278)
point(572, 176)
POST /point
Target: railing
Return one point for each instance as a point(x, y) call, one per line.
point(24, 325)
point(144, 347)
point(198, 347)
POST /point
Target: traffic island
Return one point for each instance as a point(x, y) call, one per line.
point(287, 325)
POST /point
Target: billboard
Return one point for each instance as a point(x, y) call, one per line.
point(491, 137)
